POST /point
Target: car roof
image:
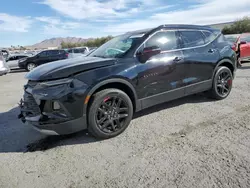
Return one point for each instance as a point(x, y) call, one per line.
point(173, 26)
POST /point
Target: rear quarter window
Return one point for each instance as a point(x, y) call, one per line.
point(209, 36)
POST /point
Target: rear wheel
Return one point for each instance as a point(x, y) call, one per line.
point(30, 66)
point(222, 83)
point(110, 113)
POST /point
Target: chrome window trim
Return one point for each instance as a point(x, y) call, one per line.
point(176, 50)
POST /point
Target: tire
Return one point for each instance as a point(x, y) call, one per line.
point(221, 83)
point(30, 66)
point(107, 108)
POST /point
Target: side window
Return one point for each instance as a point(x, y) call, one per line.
point(192, 38)
point(76, 51)
point(12, 58)
point(70, 51)
point(43, 54)
point(166, 40)
point(21, 56)
point(209, 36)
point(53, 52)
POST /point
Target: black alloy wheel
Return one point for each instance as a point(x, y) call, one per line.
point(110, 113)
point(222, 83)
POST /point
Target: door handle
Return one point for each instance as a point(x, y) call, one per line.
point(176, 59)
point(211, 51)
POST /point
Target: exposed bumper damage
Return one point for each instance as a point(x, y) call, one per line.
point(46, 107)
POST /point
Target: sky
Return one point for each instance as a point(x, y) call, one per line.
point(25, 22)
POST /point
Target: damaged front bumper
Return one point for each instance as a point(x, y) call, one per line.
point(53, 110)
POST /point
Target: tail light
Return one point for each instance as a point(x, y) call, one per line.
point(67, 55)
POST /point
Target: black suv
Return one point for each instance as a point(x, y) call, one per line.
point(43, 57)
point(129, 73)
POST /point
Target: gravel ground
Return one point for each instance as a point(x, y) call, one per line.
point(191, 142)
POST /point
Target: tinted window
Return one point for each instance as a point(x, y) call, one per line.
point(209, 36)
point(21, 56)
point(245, 38)
point(166, 40)
point(53, 52)
point(43, 54)
point(62, 51)
point(192, 38)
point(12, 58)
point(79, 50)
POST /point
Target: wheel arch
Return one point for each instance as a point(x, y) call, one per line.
point(117, 83)
point(227, 63)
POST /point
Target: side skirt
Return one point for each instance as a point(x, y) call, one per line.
point(174, 94)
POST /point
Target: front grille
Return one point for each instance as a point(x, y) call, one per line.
point(30, 105)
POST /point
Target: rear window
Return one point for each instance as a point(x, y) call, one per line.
point(192, 38)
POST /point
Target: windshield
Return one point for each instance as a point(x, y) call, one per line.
point(116, 47)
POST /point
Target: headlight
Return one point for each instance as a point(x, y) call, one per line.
point(56, 82)
point(57, 88)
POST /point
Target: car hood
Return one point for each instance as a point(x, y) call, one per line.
point(68, 67)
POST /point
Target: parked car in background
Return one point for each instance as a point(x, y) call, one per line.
point(244, 47)
point(241, 45)
point(129, 73)
point(5, 53)
point(4, 69)
point(29, 63)
point(13, 59)
point(90, 51)
point(78, 51)
point(232, 39)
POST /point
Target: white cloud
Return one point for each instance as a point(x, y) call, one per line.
point(206, 12)
point(55, 26)
point(14, 23)
point(86, 9)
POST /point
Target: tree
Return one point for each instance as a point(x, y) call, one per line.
point(240, 26)
point(90, 43)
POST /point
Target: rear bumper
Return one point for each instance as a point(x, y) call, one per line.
point(62, 128)
point(4, 70)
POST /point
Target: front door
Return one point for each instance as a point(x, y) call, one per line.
point(160, 78)
point(42, 58)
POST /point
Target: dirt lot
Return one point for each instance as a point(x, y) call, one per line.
point(191, 142)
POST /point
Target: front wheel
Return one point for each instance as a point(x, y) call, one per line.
point(30, 66)
point(222, 83)
point(110, 113)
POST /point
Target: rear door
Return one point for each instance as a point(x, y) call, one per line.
point(245, 48)
point(53, 55)
point(201, 57)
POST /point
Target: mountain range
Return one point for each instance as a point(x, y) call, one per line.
point(56, 42)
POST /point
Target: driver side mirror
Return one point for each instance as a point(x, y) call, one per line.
point(243, 42)
point(147, 53)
